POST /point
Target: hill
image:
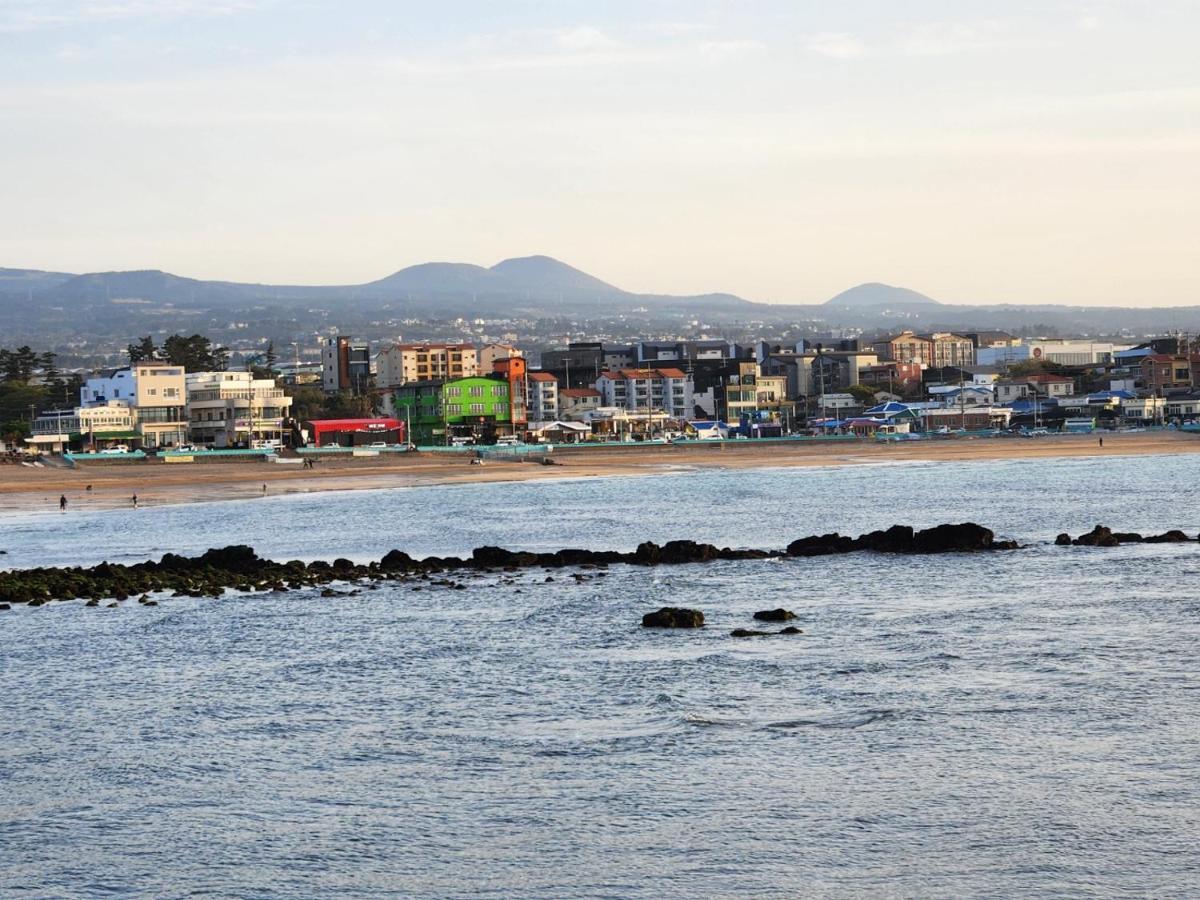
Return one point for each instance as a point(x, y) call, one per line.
point(874, 294)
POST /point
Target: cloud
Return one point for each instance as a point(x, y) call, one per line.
point(584, 39)
point(836, 45)
point(719, 50)
point(950, 38)
point(18, 16)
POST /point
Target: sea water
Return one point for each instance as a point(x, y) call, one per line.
point(998, 724)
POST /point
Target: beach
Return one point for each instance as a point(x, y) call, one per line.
point(24, 489)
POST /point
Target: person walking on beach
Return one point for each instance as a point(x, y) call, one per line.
point(264, 490)
point(1101, 442)
point(135, 501)
point(62, 503)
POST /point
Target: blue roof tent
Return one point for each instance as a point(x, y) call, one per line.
point(1106, 396)
point(890, 408)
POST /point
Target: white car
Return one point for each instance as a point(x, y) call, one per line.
point(119, 448)
point(377, 445)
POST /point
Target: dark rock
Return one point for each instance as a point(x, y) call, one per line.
point(648, 553)
point(92, 602)
point(791, 629)
point(1063, 540)
point(1169, 537)
point(897, 539)
point(953, 538)
point(774, 615)
point(747, 632)
point(498, 557)
point(820, 545)
point(237, 558)
point(150, 603)
point(678, 552)
point(673, 617)
point(1132, 537)
point(397, 561)
point(329, 592)
point(1097, 537)
point(4, 606)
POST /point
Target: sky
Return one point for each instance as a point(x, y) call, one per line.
point(1040, 152)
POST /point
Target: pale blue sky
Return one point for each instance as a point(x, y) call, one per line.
point(1041, 152)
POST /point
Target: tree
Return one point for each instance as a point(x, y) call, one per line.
point(18, 365)
point(143, 350)
point(863, 394)
point(271, 359)
point(195, 353)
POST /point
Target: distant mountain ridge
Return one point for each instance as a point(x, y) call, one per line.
point(880, 295)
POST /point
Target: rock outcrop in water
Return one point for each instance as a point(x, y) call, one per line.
point(774, 615)
point(749, 632)
point(962, 538)
point(673, 617)
point(240, 568)
point(1102, 536)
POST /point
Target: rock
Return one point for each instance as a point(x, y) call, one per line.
point(114, 605)
point(897, 539)
point(1063, 540)
point(774, 615)
point(92, 602)
point(1097, 537)
point(4, 606)
point(36, 601)
point(1132, 537)
point(498, 557)
point(820, 545)
point(673, 617)
point(1169, 537)
point(675, 553)
point(329, 592)
point(150, 603)
point(746, 632)
point(791, 629)
point(397, 561)
point(953, 538)
point(647, 553)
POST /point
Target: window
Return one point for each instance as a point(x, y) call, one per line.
point(477, 391)
point(478, 409)
point(500, 390)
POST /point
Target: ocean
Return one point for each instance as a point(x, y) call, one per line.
point(999, 724)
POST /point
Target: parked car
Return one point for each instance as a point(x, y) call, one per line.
point(507, 440)
point(377, 445)
point(115, 449)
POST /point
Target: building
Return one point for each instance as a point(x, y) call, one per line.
point(1162, 372)
point(649, 351)
point(354, 432)
point(490, 354)
point(582, 362)
point(345, 365)
point(85, 428)
point(938, 349)
point(576, 404)
point(648, 390)
point(1066, 353)
point(235, 409)
point(156, 393)
point(401, 363)
point(1039, 387)
point(478, 408)
point(542, 403)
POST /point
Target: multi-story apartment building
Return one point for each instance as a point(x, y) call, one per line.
point(647, 390)
point(939, 349)
point(490, 354)
point(1033, 386)
point(401, 363)
point(345, 365)
point(582, 362)
point(1067, 353)
point(542, 403)
point(231, 409)
point(157, 396)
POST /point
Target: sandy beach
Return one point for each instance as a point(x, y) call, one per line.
point(112, 486)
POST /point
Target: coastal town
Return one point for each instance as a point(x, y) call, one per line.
point(376, 399)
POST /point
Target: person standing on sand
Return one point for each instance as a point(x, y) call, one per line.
point(264, 490)
point(1101, 442)
point(135, 501)
point(62, 503)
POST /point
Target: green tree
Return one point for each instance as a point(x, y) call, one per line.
point(18, 365)
point(271, 359)
point(143, 350)
point(195, 353)
point(863, 394)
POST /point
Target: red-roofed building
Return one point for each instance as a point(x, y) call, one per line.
point(354, 432)
point(647, 390)
point(574, 404)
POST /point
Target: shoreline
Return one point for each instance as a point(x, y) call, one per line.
point(24, 489)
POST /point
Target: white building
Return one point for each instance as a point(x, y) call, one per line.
point(86, 427)
point(647, 390)
point(156, 394)
point(575, 404)
point(542, 402)
point(232, 409)
point(1067, 353)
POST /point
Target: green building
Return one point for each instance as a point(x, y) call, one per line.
point(438, 411)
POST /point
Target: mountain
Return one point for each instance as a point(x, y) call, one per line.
point(880, 295)
point(541, 273)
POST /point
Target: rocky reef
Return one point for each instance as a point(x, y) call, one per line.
point(240, 568)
